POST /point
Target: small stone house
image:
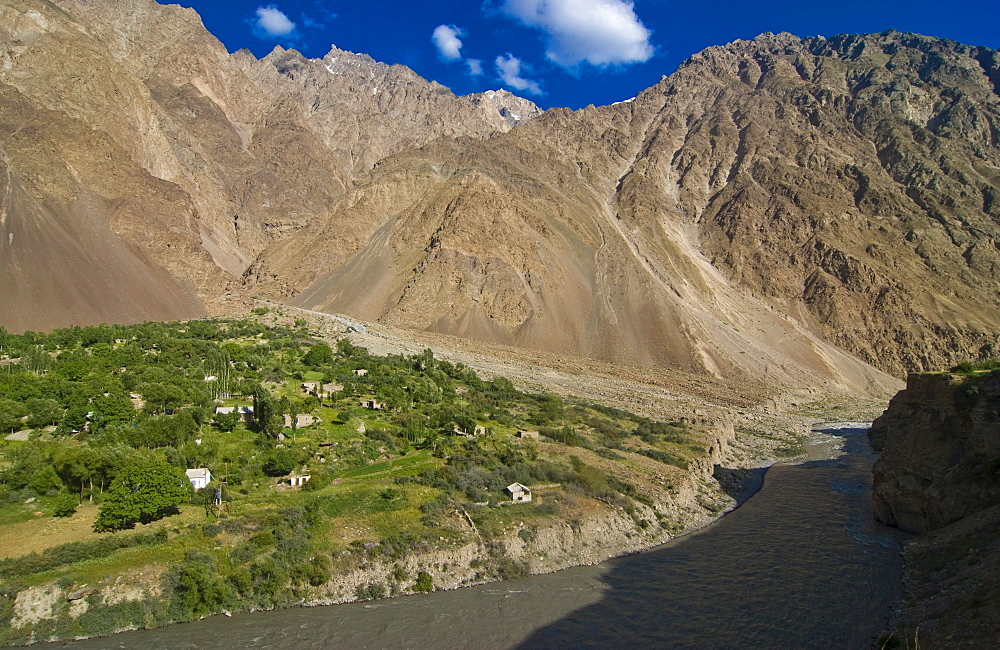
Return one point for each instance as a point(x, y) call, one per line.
point(199, 477)
point(361, 372)
point(519, 493)
point(298, 481)
point(372, 405)
point(301, 420)
point(309, 387)
point(527, 434)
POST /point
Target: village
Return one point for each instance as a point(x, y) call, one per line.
point(299, 459)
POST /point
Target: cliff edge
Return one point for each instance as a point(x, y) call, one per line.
point(939, 475)
point(940, 446)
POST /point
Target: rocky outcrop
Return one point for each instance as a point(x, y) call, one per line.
point(940, 451)
point(939, 475)
point(511, 109)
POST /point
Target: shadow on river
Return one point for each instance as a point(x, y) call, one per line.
point(802, 564)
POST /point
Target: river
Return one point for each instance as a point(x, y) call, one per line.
point(801, 564)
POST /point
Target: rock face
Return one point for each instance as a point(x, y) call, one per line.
point(513, 110)
point(939, 475)
point(774, 210)
point(940, 451)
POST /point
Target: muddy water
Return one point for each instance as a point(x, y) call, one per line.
point(801, 564)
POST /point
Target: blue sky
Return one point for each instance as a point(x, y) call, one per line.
point(565, 52)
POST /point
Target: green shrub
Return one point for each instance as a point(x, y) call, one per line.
point(198, 589)
point(424, 583)
point(399, 573)
point(27, 565)
point(565, 435)
point(280, 462)
point(370, 592)
point(664, 457)
point(315, 571)
point(65, 505)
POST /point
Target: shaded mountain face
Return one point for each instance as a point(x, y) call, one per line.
point(771, 209)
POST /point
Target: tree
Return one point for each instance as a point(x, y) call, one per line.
point(43, 412)
point(11, 413)
point(45, 480)
point(227, 421)
point(265, 412)
point(318, 355)
point(280, 462)
point(143, 491)
point(113, 408)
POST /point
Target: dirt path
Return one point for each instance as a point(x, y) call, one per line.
point(651, 391)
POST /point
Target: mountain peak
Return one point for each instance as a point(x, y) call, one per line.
point(513, 110)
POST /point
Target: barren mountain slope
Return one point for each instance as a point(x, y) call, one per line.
point(64, 203)
point(251, 150)
point(864, 169)
point(767, 194)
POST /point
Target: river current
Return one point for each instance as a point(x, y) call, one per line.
point(802, 564)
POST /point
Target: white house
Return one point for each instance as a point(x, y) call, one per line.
point(199, 477)
point(519, 493)
point(298, 481)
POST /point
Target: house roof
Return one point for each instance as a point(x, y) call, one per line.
point(517, 487)
point(201, 472)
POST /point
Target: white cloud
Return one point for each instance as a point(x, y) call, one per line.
point(475, 67)
point(509, 70)
point(273, 22)
point(598, 32)
point(446, 39)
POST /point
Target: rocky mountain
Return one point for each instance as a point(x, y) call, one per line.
point(133, 141)
point(775, 209)
point(511, 108)
point(766, 192)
